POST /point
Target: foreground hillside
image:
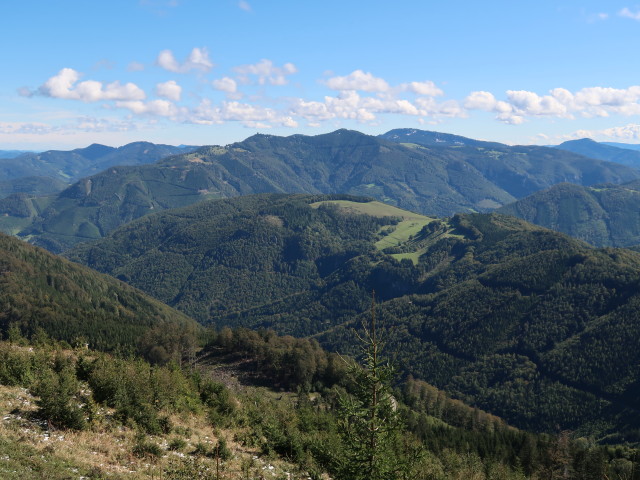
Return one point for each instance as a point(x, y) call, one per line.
point(44, 294)
point(525, 322)
point(83, 414)
point(602, 215)
point(433, 180)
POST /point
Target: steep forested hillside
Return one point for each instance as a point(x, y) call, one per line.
point(527, 323)
point(429, 179)
point(225, 256)
point(32, 186)
point(602, 215)
point(73, 303)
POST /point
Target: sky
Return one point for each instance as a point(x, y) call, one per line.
point(202, 72)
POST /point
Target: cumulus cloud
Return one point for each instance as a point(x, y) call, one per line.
point(161, 108)
point(480, 100)
point(64, 85)
point(628, 132)
point(358, 80)
point(252, 116)
point(225, 84)
point(349, 104)
point(423, 88)
point(198, 59)
point(559, 103)
point(266, 72)
point(169, 90)
point(627, 13)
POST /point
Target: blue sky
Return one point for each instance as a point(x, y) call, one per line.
point(218, 71)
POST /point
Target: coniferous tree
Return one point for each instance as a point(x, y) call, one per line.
point(369, 421)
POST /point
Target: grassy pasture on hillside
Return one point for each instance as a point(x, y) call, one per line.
point(405, 233)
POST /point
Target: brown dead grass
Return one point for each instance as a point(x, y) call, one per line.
point(106, 450)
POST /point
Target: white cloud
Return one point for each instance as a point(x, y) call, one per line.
point(560, 103)
point(266, 72)
point(358, 80)
point(161, 108)
point(225, 84)
point(627, 13)
point(311, 110)
point(624, 133)
point(289, 122)
point(169, 90)
point(198, 59)
point(423, 88)
point(244, 5)
point(63, 85)
point(480, 101)
point(349, 104)
point(430, 108)
point(252, 116)
point(531, 104)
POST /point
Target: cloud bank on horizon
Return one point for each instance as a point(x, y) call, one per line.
point(169, 90)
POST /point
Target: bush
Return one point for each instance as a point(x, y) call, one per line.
point(59, 400)
point(177, 444)
point(201, 449)
point(222, 450)
point(144, 448)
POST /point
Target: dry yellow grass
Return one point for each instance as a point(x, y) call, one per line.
point(107, 450)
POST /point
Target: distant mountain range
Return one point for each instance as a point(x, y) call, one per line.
point(435, 139)
point(13, 153)
point(628, 146)
point(439, 180)
point(522, 321)
point(602, 151)
point(69, 166)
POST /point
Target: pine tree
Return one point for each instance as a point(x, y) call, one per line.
point(369, 421)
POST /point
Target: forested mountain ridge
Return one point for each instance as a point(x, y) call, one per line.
point(73, 303)
point(13, 153)
point(74, 164)
point(601, 151)
point(527, 323)
point(434, 180)
point(427, 138)
point(522, 169)
point(602, 215)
